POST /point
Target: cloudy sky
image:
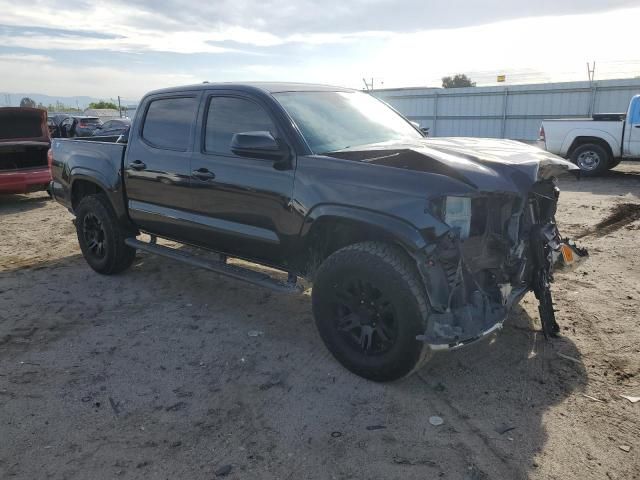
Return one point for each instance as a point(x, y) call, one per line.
point(109, 48)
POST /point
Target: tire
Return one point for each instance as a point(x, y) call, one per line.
point(614, 163)
point(592, 159)
point(369, 305)
point(101, 237)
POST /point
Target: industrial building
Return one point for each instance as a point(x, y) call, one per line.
point(513, 111)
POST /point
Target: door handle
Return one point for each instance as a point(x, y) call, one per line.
point(204, 174)
point(636, 126)
point(138, 165)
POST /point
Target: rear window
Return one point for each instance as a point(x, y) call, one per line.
point(15, 123)
point(90, 122)
point(167, 124)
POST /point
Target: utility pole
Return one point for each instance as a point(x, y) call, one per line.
point(119, 107)
point(591, 71)
point(369, 86)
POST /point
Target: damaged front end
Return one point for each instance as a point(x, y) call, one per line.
point(499, 247)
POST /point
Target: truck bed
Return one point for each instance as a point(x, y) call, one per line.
point(559, 132)
point(99, 159)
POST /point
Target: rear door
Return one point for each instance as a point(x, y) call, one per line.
point(241, 205)
point(157, 167)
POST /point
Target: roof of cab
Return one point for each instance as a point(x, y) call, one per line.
point(267, 87)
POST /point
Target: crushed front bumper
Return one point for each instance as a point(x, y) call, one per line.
point(472, 284)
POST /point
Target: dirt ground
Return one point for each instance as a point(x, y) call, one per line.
point(155, 373)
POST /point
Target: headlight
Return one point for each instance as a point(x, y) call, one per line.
point(457, 214)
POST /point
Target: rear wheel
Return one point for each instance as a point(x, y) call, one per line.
point(369, 305)
point(101, 237)
point(592, 159)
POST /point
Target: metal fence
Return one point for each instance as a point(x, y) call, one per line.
point(507, 112)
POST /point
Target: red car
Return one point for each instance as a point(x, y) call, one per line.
point(24, 147)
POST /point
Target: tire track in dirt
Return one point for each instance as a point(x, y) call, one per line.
point(477, 442)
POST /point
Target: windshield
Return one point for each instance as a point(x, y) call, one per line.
point(331, 121)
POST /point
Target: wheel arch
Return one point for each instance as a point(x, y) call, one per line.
point(605, 141)
point(329, 228)
point(82, 185)
point(89, 182)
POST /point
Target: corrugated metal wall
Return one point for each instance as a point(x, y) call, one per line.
point(507, 112)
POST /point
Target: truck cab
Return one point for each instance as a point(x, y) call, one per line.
point(595, 144)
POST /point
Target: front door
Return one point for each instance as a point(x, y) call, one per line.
point(242, 204)
point(157, 170)
point(634, 129)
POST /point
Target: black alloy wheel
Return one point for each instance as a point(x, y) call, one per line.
point(370, 307)
point(366, 318)
point(94, 235)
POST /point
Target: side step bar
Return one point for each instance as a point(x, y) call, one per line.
point(233, 271)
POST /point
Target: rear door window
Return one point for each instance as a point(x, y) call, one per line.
point(168, 122)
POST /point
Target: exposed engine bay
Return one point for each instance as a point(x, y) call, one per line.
point(499, 247)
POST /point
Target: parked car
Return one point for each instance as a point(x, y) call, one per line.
point(112, 127)
point(69, 126)
point(24, 143)
point(413, 245)
point(595, 144)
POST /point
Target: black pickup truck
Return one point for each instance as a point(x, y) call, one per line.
point(413, 245)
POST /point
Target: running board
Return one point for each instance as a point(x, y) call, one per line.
point(233, 271)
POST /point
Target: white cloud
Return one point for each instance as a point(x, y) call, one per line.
point(19, 57)
point(53, 79)
point(531, 49)
point(528, 49)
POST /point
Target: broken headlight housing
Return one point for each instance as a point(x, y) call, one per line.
point(455, 212)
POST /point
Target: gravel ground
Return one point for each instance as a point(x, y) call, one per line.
point(155, 373)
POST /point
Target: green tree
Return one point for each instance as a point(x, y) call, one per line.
point(457, 81)
point(103, 104)
point(27, 102)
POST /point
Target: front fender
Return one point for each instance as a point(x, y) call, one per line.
point(409, 236)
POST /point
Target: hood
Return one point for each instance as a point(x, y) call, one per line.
point(23, 125)
point(481, 163)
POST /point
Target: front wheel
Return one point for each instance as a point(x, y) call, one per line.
point(369, 305)
point(101, 237)
point(592, 159)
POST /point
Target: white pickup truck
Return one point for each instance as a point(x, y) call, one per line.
point(595, 144)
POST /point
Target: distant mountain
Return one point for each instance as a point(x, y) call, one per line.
point(13, 100)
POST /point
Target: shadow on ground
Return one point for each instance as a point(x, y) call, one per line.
point(167, 371)
point(625, 178)
point(22, 203)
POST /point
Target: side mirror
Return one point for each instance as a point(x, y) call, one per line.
point(425, 131)
point(257, 145)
